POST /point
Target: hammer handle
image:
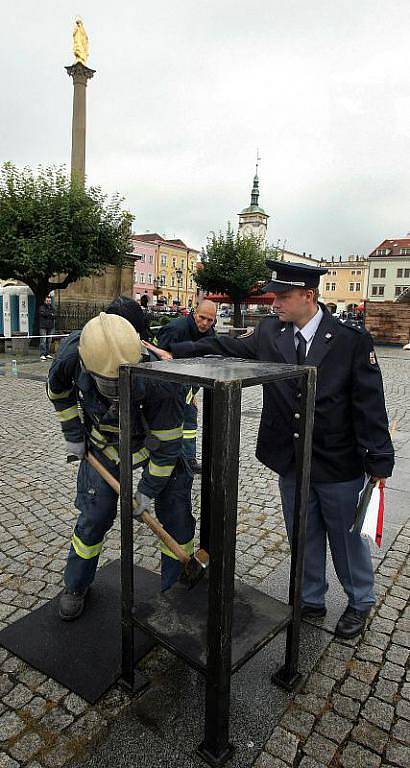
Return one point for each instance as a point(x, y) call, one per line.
point(150, 521)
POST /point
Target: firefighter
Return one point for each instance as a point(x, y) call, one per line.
point(84, 377)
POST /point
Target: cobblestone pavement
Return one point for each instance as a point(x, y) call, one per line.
point(355, 706)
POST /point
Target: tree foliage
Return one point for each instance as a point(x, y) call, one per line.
point(232, 265)
point(53, 231)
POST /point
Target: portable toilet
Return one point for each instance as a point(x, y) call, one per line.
point(1, 312)
point(24, 293)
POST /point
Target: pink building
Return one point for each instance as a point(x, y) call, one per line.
point(144, 268)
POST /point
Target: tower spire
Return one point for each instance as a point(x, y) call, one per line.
point(255, 188)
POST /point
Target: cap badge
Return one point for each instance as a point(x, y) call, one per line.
point(328, 335)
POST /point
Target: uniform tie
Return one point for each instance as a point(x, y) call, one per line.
point(301, 349)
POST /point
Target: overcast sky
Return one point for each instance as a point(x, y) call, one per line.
point(186, 90)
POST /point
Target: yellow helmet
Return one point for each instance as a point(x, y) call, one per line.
point(106, 342)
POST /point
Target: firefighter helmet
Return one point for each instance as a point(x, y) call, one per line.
point(106, 342)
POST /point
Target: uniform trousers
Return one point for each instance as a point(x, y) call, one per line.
point(97, 503)
point(331, 512)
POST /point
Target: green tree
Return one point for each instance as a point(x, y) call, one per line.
point(232, 265)
point(53, 231)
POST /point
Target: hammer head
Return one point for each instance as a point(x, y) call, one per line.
point(192, 572)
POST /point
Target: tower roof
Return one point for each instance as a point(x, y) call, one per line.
point(254, 207)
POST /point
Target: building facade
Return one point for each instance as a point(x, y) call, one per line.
point(175, 269)
point(144, 269)
point(389, 270)
point(344, 286)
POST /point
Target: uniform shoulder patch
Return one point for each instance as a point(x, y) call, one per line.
point(352, 326)
point(372, 358)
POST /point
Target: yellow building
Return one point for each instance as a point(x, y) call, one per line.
point(175, 268)
point(344, 286)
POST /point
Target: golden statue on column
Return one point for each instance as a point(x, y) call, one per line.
point(80, 42)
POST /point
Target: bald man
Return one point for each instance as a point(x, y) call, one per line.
point(197, 325)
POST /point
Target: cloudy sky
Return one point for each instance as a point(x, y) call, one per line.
point(185, 91)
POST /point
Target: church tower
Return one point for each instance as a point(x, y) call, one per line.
point(253, 220)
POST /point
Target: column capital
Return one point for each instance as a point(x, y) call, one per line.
point(80, 73)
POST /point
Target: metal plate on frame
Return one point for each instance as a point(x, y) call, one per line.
point(177, 618)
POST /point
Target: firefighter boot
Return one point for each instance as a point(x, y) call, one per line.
point(71, 604)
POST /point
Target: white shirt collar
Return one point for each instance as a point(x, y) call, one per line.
point(308, 331)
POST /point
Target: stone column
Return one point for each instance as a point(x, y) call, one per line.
point(80, 75)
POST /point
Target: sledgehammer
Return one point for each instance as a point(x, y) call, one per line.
point(194, 566)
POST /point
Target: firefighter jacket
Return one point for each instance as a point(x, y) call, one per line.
point(157, 412)
point(350, 433)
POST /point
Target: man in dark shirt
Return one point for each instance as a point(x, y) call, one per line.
point(47, 319)
point(195, 326)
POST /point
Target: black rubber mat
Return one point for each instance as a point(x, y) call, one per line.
point(83, 655)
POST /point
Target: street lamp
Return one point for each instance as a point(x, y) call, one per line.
point(179, 274)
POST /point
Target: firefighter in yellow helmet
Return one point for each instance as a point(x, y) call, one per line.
point(85, 374)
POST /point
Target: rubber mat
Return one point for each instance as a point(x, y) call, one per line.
point(83, 655)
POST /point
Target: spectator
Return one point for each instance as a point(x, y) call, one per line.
point(47, 322)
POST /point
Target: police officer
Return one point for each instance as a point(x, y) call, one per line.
point(350, 437)
point(197, 325)
point(85, 373)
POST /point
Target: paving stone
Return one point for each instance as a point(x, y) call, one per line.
point(18, 697)
point(56, 720)
point(5, 684)
point(369, 653)
point(379, 713)
point(370, 736)
point(401, 638)
point(26, 747)
point(363, 670)
point(398, 655)
point(36, 707)
point(403, 709)
point(340, 651)
point(334, 727)
point(320, 748)
point(298, 721)
point(332, 667)
point(355, 689)
point(10, 725)
point(31, 677)
point(378, 639)
point(345, 706)
point(405, 691)
point(309, 762)
point(7, 762)
point(268, 761)
point(319, 684)
point(392, 671)
point(401, 731)
point(52, 690)
point(283, 745)
point(382, 625)
point(312, 703)
point(386, 690)
point(399, 754)
point(75, 704)
point(354, 756)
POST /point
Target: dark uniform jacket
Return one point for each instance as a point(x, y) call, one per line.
point(47, 317)
point(181, 329)
point(350, 434)
point(158, 414)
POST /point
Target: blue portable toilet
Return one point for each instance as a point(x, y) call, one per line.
point(14, 313)
point(31, 313)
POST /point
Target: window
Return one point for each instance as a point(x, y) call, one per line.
point(405, 251)
point(382, 252)
point(172, 282)
point(191, 283)
point(358, 286)
point(182, 263)
point(163, 260)
point(353, 272)
point(407, 273)
point(174, 262)
point(329, 272)
point(399, 273)
point(142, 277)
point(358, 271)
point(381, 290)
point(333, 287)
point(375, 273)
point(382, 273)
point(142, 258)
point(334, 272)
point(374, 290)
point(399, 289)
point(327, 287)
point(150, 258)
point(351, 286)
point(149, 278)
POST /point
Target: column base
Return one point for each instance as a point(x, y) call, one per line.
point(212, 759)
point(292, 682)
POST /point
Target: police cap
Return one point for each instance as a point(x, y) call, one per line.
point(286, 275)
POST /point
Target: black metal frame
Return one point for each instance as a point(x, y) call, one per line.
point(220, 459)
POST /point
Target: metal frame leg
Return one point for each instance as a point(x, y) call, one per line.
point(130, 680)
point(206, 468)
point(288, 676)
point(215, 748)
